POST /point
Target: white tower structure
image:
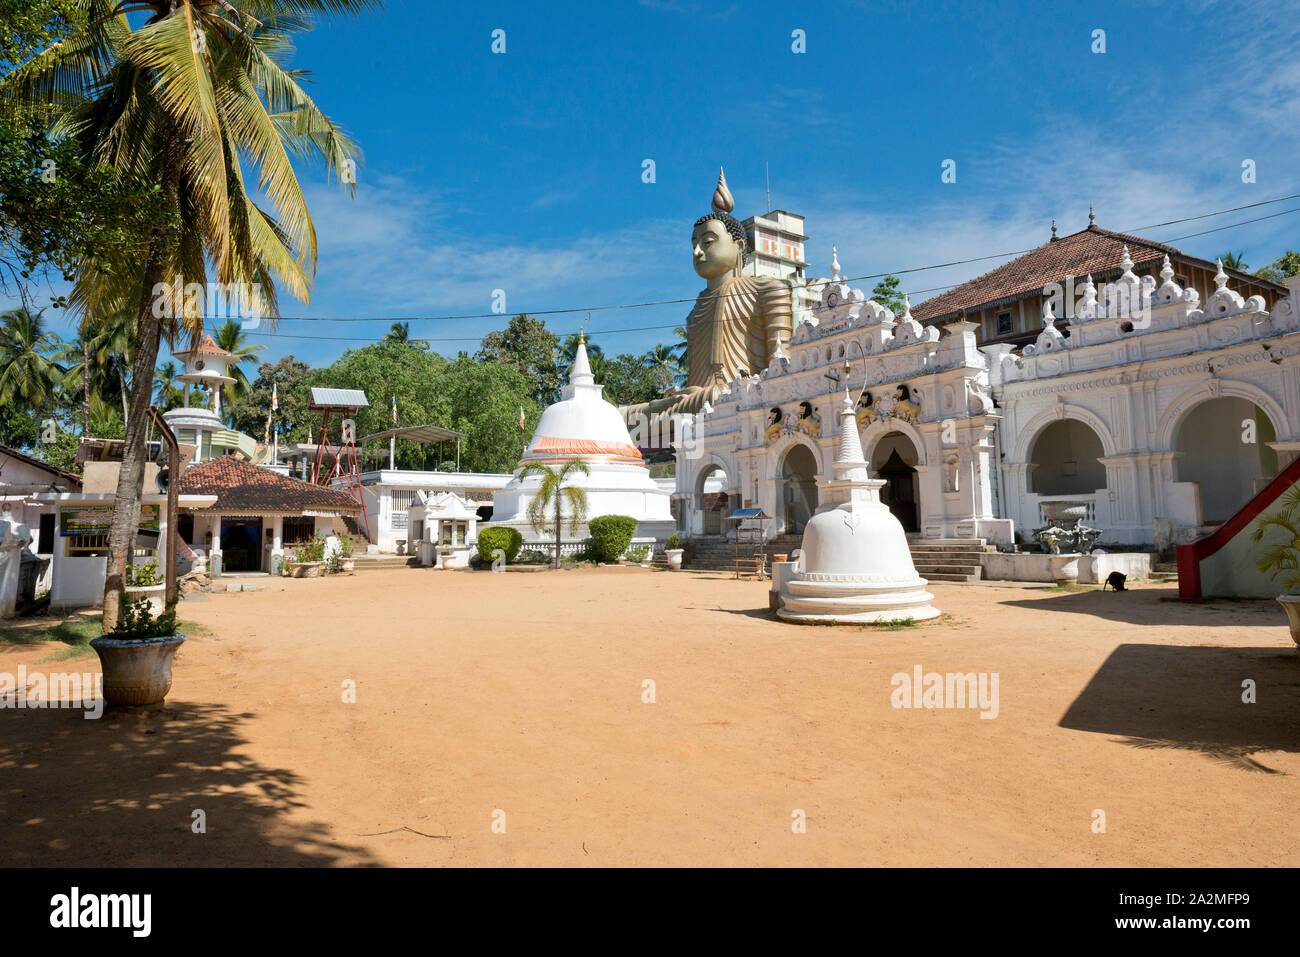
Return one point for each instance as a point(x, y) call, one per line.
point(854, 565)
point(584, 425)
point(206, 365)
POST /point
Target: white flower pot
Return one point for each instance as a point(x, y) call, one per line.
point(136, 673)
point(1065, 568)
point(674, 556)
point(1291, 605)
point(157, 595)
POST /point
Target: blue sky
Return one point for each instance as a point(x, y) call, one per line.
point(522, 171)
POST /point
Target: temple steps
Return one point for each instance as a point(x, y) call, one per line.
point(386, 561)
point(949, 560)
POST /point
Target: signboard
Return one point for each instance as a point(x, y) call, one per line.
point(96, 519)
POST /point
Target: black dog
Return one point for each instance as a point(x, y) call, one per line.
point(1116, 581)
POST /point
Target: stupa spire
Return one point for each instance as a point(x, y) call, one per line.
point(580, 374)
point(849, 461)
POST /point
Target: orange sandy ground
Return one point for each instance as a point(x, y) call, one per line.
point(523, 692)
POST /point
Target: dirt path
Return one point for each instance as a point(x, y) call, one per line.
point(477, 693)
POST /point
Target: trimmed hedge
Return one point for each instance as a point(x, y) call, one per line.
point(507, 539)
point(611, 535)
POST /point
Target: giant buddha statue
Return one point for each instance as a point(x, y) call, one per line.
point(738, 322)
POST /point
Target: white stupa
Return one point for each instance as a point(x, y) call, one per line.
point(854, 564)
point(584, 425)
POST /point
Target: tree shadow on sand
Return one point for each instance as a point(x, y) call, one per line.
point(122, 791)
point(1190, 698)
point(1146, 605)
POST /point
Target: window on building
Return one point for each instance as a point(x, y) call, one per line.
point(1004, 327)
point(298, 530)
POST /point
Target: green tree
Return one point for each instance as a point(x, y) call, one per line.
point(887, 294)
point(482, 400)
point(629, 379)
point(399, 332)
point(552, 494)
point(528, 346)
point(1233, 260)
point(1282, 268)
point(233, 339)
point(182, 104)
point(30, 379)
point(166, 394)
point(291, 380)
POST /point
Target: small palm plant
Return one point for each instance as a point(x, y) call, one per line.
point(1281, 557)
point(555, 490)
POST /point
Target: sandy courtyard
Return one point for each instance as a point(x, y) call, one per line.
point(518, 698)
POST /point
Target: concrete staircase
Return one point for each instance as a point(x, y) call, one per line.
point(942, 560)
point(717, 554)
point(950, 559)
point(368, 562)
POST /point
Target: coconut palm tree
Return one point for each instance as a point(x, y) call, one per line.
point(99, 361)
point(398, 332)
point(1233, 260)
point(553, 493)
point(184, 104)
point(232, 337)
point(29, 376)
point(1281, 558)
point(664, 360)
point(166, 393)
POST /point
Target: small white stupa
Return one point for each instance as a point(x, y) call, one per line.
point(584, 425)
point(854, 564)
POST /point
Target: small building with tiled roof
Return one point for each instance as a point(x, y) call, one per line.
point(1006, 303)
point(258, 512)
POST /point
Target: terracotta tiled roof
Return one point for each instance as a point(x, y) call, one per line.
point(206, 347)
point(241, 486)
point(1093, 251)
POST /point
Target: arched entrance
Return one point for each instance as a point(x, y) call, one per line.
point(711, 500)
point(1066, 458)
point(1223, 448)
point(798, 488)
point(894, 459)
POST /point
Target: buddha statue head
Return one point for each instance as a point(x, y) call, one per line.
point(718, 240)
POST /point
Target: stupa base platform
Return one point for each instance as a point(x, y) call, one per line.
point(855, 602)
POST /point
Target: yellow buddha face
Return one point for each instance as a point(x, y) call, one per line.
point(716, 253)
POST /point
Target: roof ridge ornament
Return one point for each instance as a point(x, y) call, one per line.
point(1092, 216)
point(835, 264)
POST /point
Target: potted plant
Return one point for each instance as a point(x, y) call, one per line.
point(445, 553)
point(137, 655)
point(674, 553)
point(1282, 558)
point(347, 545)
point(306, 559)
point(145, 581)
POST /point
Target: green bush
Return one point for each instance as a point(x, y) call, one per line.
point(611, 535)
point(638, 553)
point(507, 539)
point(674, 541)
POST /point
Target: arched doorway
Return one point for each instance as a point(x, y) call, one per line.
point(1223, 448)
point(798, 488)
point(711, 499)
point(1066, 458)
point(894, 459)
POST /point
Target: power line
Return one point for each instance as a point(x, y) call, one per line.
point(879, 275)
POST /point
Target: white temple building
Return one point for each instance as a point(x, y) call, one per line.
point(584, 425)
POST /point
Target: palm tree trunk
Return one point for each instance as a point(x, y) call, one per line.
point(126, 506)
point(85, 386)
point(558, 504)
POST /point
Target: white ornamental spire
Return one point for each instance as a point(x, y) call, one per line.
point(835, 264)
point(580, 374)
point(849, 460)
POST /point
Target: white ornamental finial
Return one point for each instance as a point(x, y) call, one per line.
point(1049, 318)
point(1054, 236)
point(1127, 261)
point(1092, 217)
point(835, 264)
point(907, 310)
point(1220, 277)
point(1166, 270)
